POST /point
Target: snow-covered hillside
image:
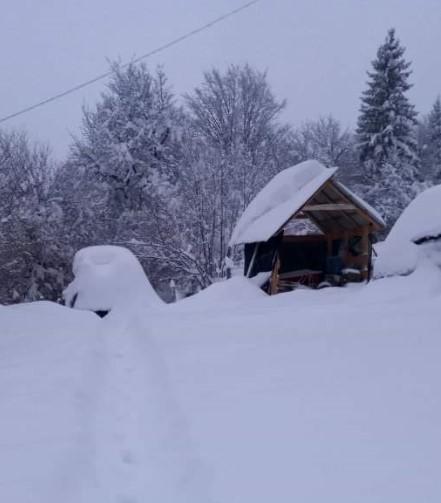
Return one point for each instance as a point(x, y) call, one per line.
point(310, 396)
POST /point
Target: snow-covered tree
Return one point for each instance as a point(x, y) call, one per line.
point(129, 151)
point(323, 140)
point(430, 144)
point(128, 138)
point(28, 220)
point(326, 141)
point(235, 145)
point(386, 131)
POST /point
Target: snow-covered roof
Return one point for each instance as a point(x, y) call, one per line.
point(421, 219)
point(283, 196)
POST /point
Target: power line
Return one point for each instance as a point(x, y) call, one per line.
point(159, 49)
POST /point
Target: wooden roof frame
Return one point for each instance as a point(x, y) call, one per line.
point(345, 207)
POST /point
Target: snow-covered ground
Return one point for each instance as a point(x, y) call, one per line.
point(231, 396)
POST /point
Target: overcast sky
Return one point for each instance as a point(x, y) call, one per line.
point(316, 51)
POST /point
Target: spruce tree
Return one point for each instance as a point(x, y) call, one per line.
point(386, 132)
point(434, 141)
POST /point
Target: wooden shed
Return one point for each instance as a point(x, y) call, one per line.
point(306, 228)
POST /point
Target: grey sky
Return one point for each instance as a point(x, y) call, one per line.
point(316, 51)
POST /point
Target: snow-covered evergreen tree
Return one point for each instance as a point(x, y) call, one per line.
point(433, 145)
point(386, 132)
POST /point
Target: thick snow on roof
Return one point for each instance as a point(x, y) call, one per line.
point(421, 219)
point(284, 195)
point(108, 276)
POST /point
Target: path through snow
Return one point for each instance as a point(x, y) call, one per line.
point(143, 446)
point(309, 396)
point(89, 415)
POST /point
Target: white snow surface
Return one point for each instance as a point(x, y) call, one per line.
point(235, 291)
point(284, 195)
point(107, 276)
point(395, 258)
point(310, 396)
point(421, 219)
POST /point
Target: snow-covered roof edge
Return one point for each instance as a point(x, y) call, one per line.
point(282, 197)
point(372, 212)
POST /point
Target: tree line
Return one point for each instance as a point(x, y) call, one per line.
point(169, 180)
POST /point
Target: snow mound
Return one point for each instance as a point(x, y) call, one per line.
point(232, 291)
point(398, 254)
point(395, 258)
point(106, 277)
point(421, 219)
point(432, 251)
point(285, 194)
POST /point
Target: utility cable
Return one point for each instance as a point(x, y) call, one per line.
point(159, 49)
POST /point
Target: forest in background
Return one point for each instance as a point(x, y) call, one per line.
point(169, 178)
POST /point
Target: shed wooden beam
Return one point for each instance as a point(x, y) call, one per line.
point(330, 207)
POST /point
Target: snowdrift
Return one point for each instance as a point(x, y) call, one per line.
point(395, 258)
point(107, 277)
point(421, 219)
point(235, 291)
point(415, 237)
